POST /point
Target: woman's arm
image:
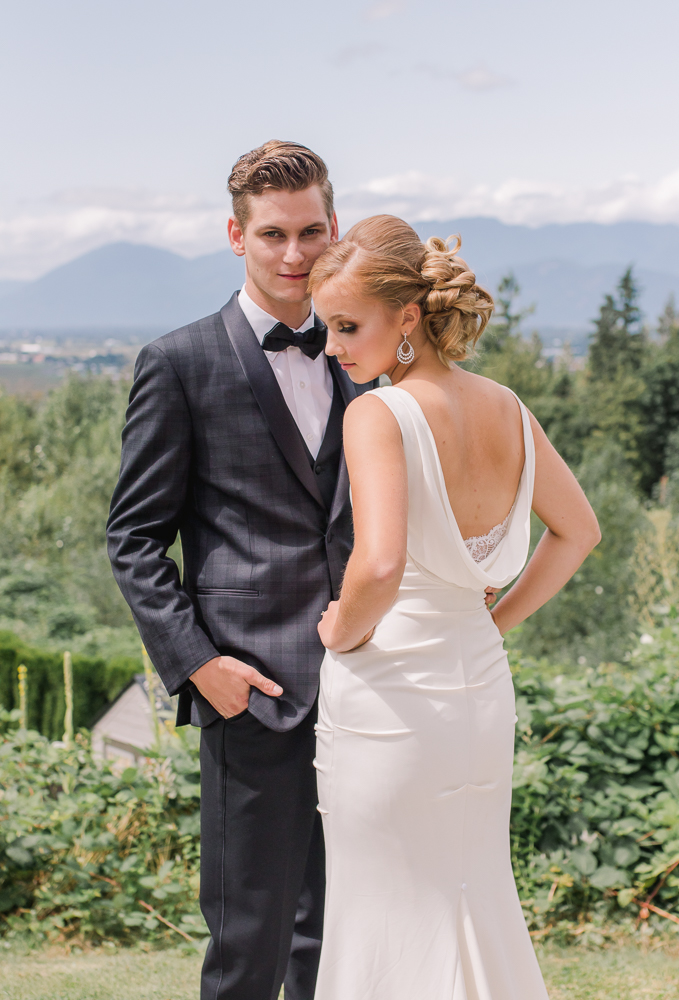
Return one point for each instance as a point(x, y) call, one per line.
point(572, 532)
point(379, 487)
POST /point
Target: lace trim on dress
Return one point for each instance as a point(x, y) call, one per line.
point(481, 546)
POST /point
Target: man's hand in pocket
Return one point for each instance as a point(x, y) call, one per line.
point(226, 682)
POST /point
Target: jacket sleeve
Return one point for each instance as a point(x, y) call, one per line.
point(145, 515)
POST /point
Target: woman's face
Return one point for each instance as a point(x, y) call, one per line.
point(363, 334)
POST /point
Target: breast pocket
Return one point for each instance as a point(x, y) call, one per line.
point(225, 592)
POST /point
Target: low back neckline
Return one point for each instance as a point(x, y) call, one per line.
point(491, 539)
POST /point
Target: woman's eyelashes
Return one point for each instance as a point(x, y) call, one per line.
point(347, 328)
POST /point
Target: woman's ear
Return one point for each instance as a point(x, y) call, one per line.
point(412, 314)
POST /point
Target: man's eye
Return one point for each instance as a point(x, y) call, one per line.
point(311, 232)
point(347, 328)
point(272, 232)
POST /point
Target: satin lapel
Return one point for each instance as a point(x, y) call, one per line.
point(269, 397)
point(349, 392)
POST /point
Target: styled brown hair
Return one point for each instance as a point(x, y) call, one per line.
point(281, 166)
point(389, 262)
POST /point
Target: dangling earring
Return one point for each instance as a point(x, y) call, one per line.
point(405, 352)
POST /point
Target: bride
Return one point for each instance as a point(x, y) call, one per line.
point(416, 717)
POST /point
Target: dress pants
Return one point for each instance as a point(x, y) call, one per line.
point(262, 879)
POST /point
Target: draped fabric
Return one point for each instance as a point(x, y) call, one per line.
point(415, 743)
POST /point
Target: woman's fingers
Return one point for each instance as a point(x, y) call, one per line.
point(491, 596)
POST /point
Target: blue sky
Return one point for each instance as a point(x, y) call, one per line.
point(121, 119)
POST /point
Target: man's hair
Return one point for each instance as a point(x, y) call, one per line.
point(279, 166)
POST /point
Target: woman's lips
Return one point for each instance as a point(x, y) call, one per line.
point(347, 364)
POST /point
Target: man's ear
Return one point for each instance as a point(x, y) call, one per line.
point(236, 237)
point(334, 229)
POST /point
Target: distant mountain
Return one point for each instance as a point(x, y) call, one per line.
point(7, 286)
point(124, 285)
point(493, 245)
point(564, 269)
point(568, 295)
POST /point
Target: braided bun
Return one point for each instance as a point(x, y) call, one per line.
point(456, 309)
point(389, 261)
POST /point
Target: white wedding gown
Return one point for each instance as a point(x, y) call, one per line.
point(414, 758)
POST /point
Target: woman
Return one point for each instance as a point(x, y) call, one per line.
point(416, 718)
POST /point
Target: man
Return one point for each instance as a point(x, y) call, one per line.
point(233, 439)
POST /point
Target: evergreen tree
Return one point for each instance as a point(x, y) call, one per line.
point(668, 323)
point(660, 401)
point(506, 323)
point(604, 355)
point(618, 341)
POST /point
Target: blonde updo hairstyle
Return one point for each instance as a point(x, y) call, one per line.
point(389, 262)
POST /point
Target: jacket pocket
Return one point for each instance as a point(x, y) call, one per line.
point(224, 592)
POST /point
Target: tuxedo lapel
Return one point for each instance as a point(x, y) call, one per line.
point(347, 387)
point(269, 397)
point(349, 392)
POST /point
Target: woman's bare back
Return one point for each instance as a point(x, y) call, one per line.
point(478, 432)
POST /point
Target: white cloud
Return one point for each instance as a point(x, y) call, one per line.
point(355, 53)
point(481, 78)
point(418, 197)
point(42, 235)
point(384, 8)
point(476, 78)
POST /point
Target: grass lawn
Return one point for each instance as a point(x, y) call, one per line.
point(610, 974)
point(571, 974)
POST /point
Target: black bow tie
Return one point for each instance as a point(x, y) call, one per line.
point(311, 342)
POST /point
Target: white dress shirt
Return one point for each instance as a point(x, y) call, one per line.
point(306, 385)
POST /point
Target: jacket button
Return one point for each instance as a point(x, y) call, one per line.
point(318, 469)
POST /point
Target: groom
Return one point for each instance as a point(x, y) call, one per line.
point(234, 440)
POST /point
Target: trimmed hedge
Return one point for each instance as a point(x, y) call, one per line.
point(95, 683)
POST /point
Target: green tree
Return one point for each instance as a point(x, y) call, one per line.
point(507, 320)
point(591, 617)
point(614, 384)
point(668, 323)
point(660, 402)
point(618, 340)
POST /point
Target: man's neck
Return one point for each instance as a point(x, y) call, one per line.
point(293, 314)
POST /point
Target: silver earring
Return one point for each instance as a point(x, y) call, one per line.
point(405, 352)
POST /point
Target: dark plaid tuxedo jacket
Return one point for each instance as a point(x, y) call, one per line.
point(210, 450)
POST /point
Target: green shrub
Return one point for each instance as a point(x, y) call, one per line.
point(95, 683)
point(595, 814)
point(594, 823)
point(83, 845)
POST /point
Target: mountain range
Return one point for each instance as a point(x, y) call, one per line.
point(564, 269)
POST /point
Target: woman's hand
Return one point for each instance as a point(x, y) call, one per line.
point(366, 638)
point(327, 623)
point(491, 596)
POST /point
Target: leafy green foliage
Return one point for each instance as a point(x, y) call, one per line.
point(594, 823)
point(58, 466)
point(81, 843)
point(592, 618)
point(595, 815)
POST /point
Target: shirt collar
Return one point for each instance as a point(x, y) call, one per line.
point(260, 321)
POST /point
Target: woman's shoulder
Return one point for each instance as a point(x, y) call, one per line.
point(467, 388)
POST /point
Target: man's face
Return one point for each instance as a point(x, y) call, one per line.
point(285, 234)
